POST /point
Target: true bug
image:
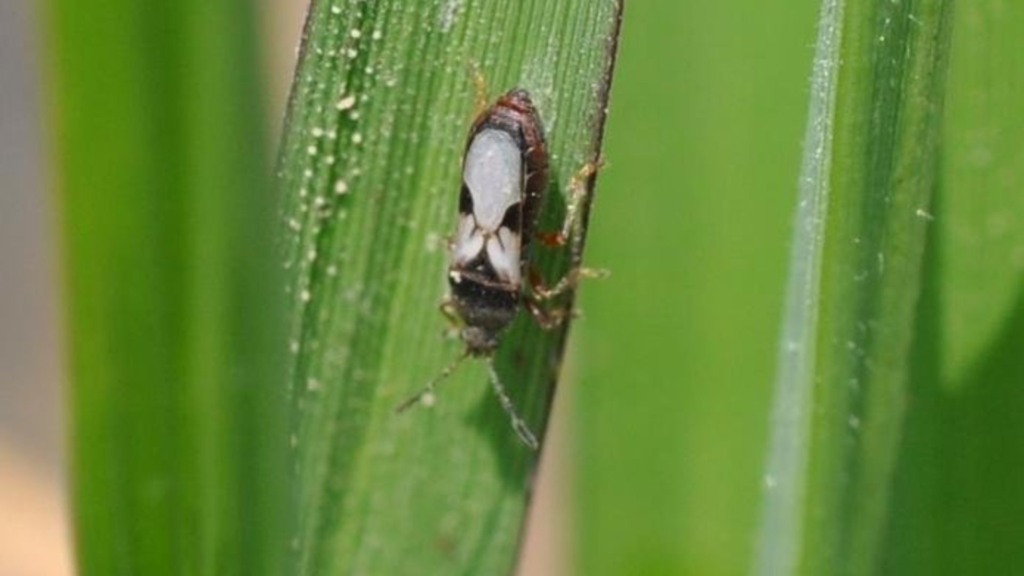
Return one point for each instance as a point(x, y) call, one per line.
point(504, 179)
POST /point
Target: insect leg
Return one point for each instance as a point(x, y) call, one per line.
point(571, 233)
point(546, 319)
point(426, 395)
point(455, 322)
point(518, 424)
point(572, 226)
point(541, 293)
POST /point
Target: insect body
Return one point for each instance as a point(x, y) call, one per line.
point(504, 177)
point(505, 174)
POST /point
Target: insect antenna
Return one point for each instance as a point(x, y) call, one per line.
point(428, 390)
point(518, 424)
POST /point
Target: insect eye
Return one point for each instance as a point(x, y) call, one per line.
point(513, 219)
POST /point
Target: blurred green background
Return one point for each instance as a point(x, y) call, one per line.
point(673, 362)
point(676, 351)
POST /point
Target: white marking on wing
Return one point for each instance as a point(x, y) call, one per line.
point(493, 173)
point(503, 253)
point(469, 240)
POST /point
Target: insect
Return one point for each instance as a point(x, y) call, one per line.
point(504, 179)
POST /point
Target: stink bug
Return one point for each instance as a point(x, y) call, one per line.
point(504, 179)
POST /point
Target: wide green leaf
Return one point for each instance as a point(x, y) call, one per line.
point(382, 100)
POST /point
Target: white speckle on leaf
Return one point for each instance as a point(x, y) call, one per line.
point(449, 12)
point(428, 399)
point(357, 138)
point(433, 241)
point(346, 102)
point(340, 187)
point(351, 295)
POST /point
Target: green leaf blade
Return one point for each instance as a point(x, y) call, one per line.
point(870, 170)
point(958, 484)
point(675, 351)
point(383, 98)
point(177, 395)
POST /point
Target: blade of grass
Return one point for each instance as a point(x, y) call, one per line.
point(674, 356)
point(382, 100)
point(958, 489)
point(980, 230)
point(870, 167)
point(178, 419)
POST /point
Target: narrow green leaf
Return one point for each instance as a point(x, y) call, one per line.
point(380, 108)
point(980, 231)
point(959, 486)
point(870, 168)
point(178, 434)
